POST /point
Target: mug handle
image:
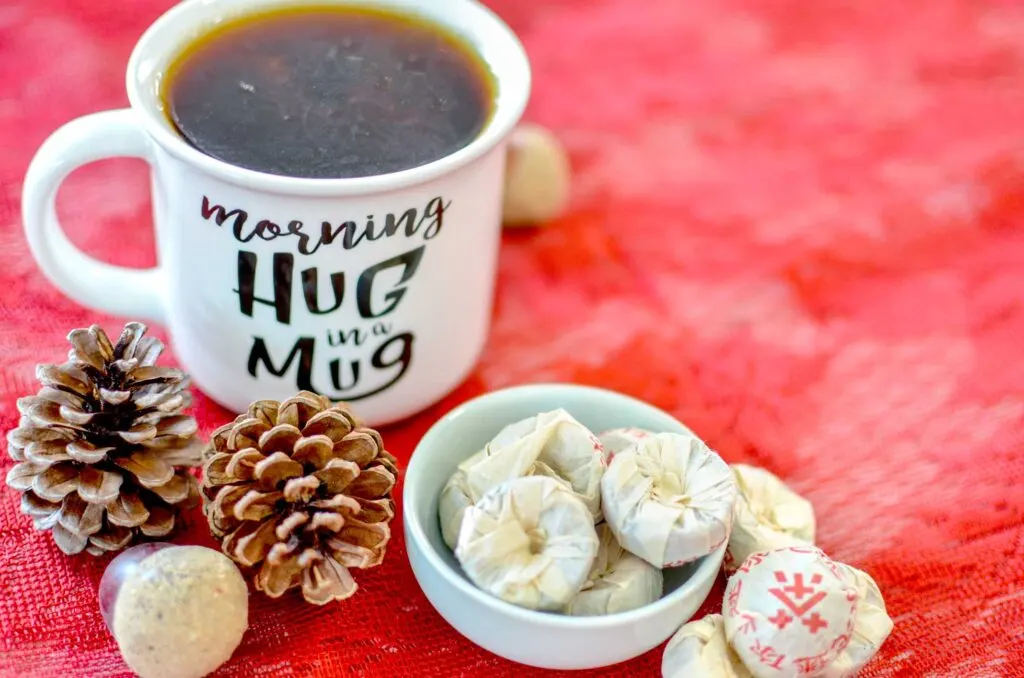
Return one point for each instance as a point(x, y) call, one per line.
point(130, 292)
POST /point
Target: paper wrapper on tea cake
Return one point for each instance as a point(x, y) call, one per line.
point(551, 444)
point(795, 612)
point(618, 439)
point(529, 541)
point(767, 516)
point(871, 628)
point(669, 499)
point(699, 650)
point(558, 444)
point(618, 581)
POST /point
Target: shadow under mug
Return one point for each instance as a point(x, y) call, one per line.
point(390, 314)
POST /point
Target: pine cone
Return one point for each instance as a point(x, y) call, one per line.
point(299, 492)
point(103, 448)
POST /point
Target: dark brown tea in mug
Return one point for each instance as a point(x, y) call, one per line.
point(328, 92)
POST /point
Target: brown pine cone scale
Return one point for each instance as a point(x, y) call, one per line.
point(299, 492)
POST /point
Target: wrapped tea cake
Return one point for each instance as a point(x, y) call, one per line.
point(618, 581)
point(551, 444)
point(768, 515)
point(871, 628)
point(669, 499)
point(795, 612)
point(699, 650)
point(529, 541)
point(618, 439)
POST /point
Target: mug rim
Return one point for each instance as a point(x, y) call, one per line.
point(509, 106)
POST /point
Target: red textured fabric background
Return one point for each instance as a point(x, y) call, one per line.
point(799, 226)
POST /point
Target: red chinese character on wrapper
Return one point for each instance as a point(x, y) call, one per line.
point(768, 655)
point(808, 666)
point(840, 643)
point(749, 624)
point(734, 598)
point(781, 619)
point(801, 598)
point(752, 560)
point(789, 600)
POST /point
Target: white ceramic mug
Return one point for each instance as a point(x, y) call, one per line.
point(374, 290)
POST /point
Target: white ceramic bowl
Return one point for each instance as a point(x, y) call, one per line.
point(542, 639)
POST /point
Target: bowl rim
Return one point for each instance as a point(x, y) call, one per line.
point(708, 566)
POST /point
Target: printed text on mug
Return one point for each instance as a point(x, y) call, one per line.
point(373, 297)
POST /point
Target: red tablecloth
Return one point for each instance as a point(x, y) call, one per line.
point(799, 226)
